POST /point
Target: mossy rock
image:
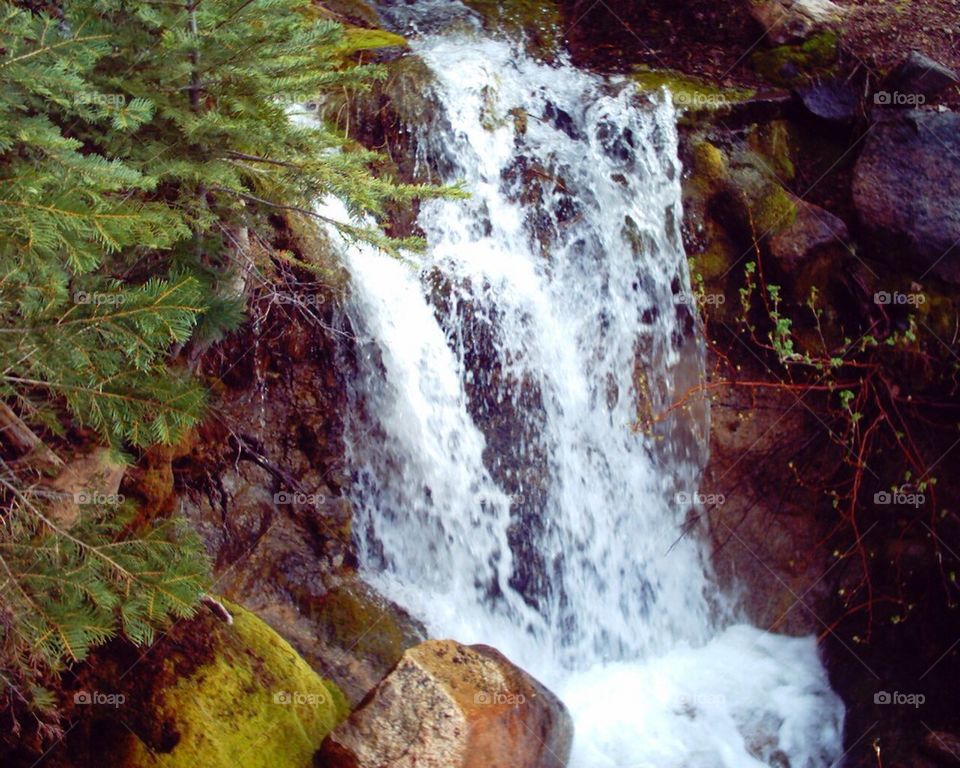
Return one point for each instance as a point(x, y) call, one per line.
point(709, 167)
point(539, 21)
point(690, 93)
point(790, 65)
point(774, 141)
point(773, 210)
point(256, 704)
point(358, 39)
point(755, 198)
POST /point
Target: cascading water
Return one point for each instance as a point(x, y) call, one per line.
point(501, 491)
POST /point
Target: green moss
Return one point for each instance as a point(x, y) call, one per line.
point(774, 209)
point(709, 166)
point(360, 39)
point(689, 92)
point(774, 142)
point(256, 705)
point(788, 65)
point(714, 262)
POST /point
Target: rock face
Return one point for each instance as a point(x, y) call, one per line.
point(446, 705)
point(791, 20)
point(905, 188)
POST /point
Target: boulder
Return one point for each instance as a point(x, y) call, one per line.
point(788, 21)
point(836, 101)
point(447, 705)
point(905, 188)
point(811, 231)
point(918, 79)
point(252, 702)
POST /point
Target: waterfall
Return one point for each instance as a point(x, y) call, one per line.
point(502, 491)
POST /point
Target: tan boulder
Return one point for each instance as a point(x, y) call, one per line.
point(446, 705)
point(791, 20)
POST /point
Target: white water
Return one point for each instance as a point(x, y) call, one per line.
point(500, 493)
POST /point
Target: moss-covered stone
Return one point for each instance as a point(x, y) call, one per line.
point(361, 39)
point(689, 92)
point(773, 209)
point(256, 704)
point(709, 168)
point(775, 143)
point(539, 21)
point(788, 65)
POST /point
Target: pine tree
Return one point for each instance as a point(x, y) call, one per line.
point(137, 139)
point(79, 348)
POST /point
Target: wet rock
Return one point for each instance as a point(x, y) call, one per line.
point(905, 188)
point(832, 100)
point(561, 120)
point(812, 230)
point(446, 705)
point(791, 20)
point(916, 76)
point(358, 635)
point(765, 542)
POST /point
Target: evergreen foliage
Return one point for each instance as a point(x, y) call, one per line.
point(137, 141)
